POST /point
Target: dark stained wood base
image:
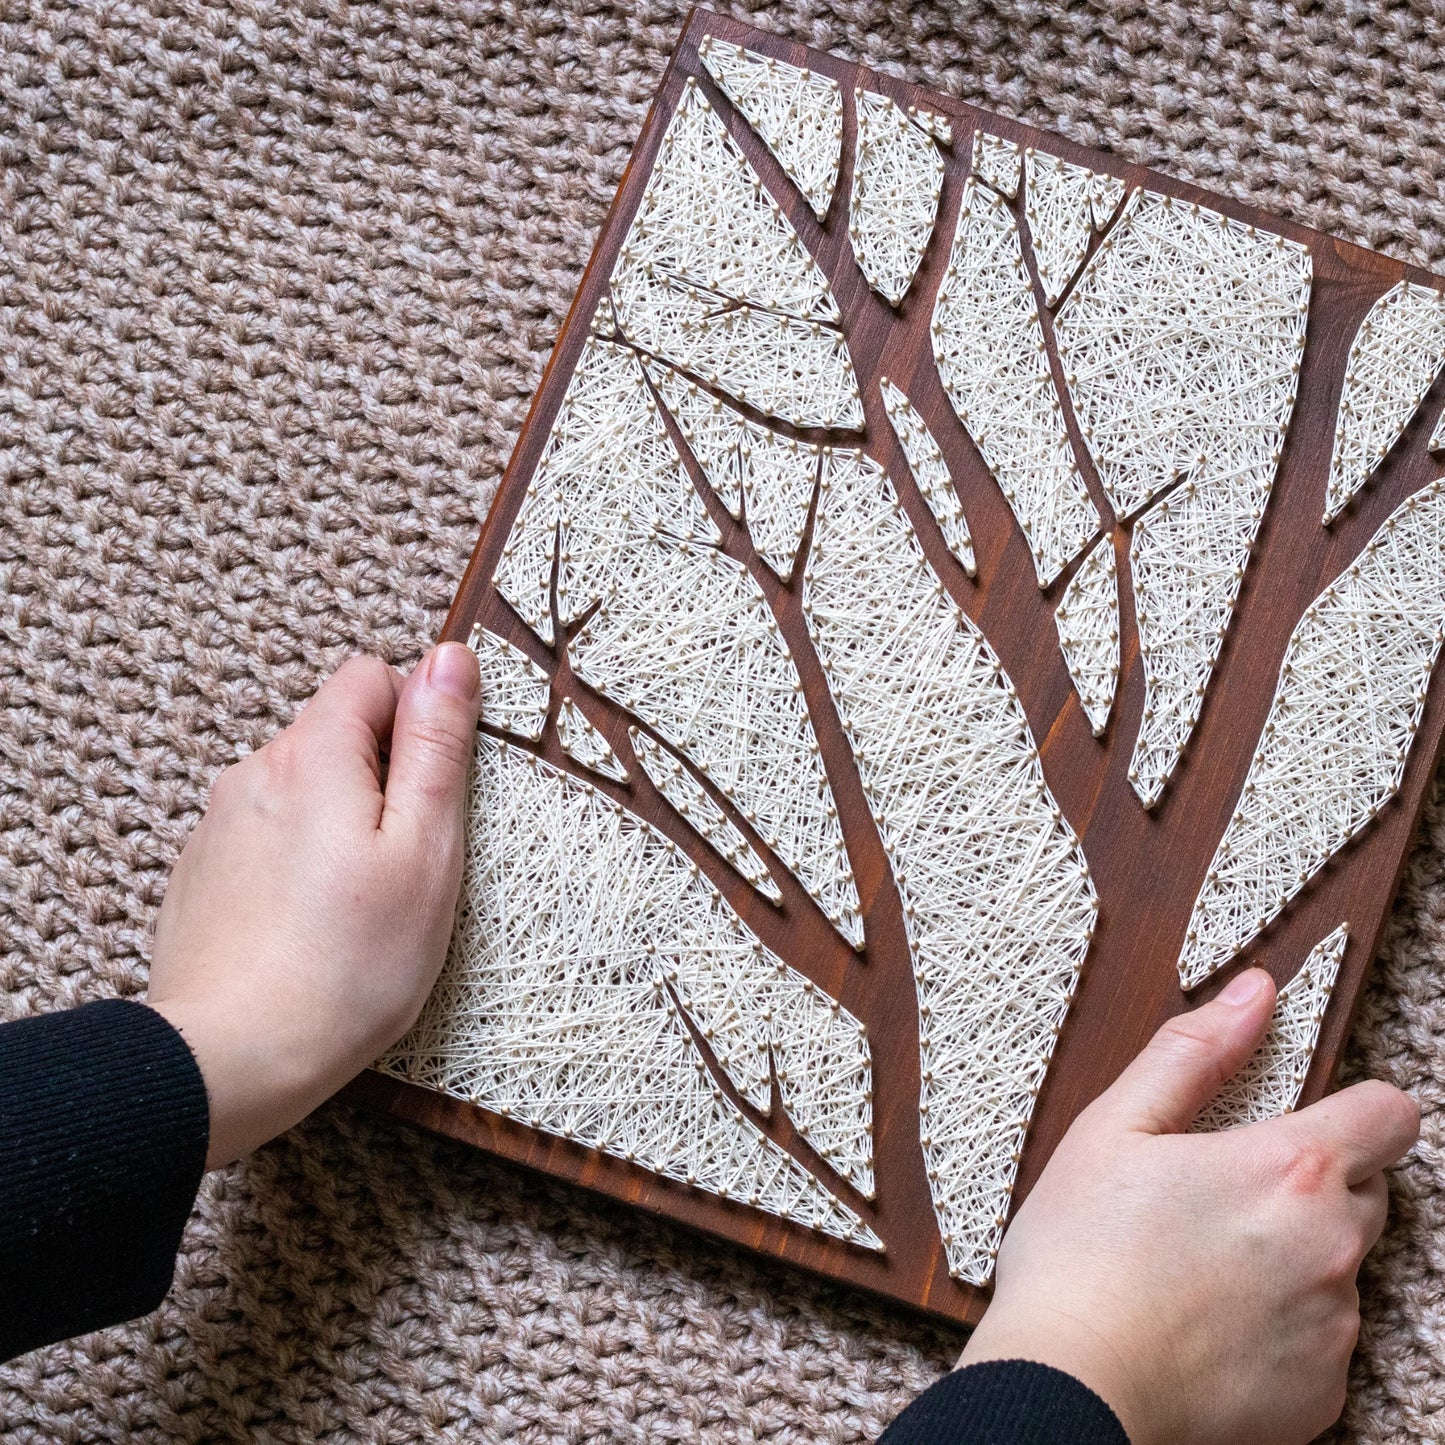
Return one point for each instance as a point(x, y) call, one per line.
point(1147, 866)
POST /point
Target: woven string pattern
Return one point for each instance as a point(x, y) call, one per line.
point(797, 114)
point(997, 898)
point(997, 163)
point(1088, 621)
point(1063, 203)
point(587, 952)
point(682, 636)
point(690, 799)
point(516, 692)
point(897, 181)
point(1346, 708)
point(584, 744)
point(1395, 357)
point(608, 406)
point(714, 279)
point(764, 480)
point(990, 355)
point(1181, 343)
point(930, 473)
point(938, 126)
point(1273, 1076)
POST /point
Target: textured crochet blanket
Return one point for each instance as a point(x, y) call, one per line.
point(276, 284)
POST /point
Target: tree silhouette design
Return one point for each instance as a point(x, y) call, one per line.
point(808, 449)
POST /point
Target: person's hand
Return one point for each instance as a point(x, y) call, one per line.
point(1202, 1284)
point(309, 914)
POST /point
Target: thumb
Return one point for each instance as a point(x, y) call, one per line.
point(1182, 1067)
point(432, 741)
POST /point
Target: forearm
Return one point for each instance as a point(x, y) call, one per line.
point(103, 1128)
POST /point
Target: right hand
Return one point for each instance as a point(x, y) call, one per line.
point(1202, 1284)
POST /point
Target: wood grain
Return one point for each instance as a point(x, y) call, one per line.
point(1147, 866)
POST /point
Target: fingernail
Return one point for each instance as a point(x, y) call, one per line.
point(453, 669)
point(1243, 988)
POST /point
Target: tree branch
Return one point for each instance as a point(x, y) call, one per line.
point(776, 1123)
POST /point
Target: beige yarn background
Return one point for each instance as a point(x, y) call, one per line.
point(276, 283)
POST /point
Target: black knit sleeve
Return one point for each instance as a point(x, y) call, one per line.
point(103, 1134)
point(1006, 1402)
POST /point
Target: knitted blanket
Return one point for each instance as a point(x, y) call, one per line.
point(276, 283)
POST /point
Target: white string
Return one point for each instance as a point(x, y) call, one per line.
point(1394, 359)
point(938, 126)
point(685, 641)
point(1182, 341)
point(515, 690)
point(609, 478)
point(990, 354)
point(682, 636)
point(1273, 1077)
point(584, 744)
point(1187, 557)
point(1087, 618)
point(897, 180)
point(1346, 709)
point(997, 899)
point(1181, 345)
point(930, 473)
point(1058, 201)
point(691, 799)
point(760, 476)
point(578, 928)
point(798, 114)
point(997, 163)
point(712, 277)
point(1104, 198)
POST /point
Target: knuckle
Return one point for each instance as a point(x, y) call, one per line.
point(362, 664)
point(281, 762)
point(1185, 1032)
point(1341, 1261)
point(1184, 1039)
point(432, 736)
point(1309, 1168)
point(1382, 1120)
point(1392, 1109)
point(366, 671)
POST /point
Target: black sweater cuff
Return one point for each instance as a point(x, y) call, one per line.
point(103, 1135)
point(1007, 1402)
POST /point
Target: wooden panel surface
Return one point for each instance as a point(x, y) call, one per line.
point(1147, 866)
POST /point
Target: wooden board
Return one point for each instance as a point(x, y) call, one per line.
point(1147, 866)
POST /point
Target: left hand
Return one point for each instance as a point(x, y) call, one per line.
point(309, 913)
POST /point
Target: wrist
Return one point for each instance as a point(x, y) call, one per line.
point(254, 1090)
point(1054, 1336)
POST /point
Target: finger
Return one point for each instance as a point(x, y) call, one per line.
point(1181, 1068)
point(1371, 1202)
point(432, 741)
point(357, 701)
point(1367, 1127)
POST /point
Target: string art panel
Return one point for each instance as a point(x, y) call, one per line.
point(957, 599)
